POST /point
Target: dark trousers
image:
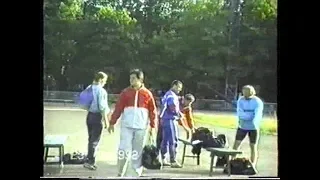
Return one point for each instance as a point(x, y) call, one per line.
point(159, 137)
point(94, 125)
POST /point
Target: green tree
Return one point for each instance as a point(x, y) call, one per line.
point(204, 43)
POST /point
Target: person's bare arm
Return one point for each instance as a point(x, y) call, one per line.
point(190, 119)
point(186, 128)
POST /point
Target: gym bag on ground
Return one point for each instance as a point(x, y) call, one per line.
point(150, 157)
point(241, 166)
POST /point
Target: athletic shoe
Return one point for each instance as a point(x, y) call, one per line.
point(176, 165)
point(90, 166)
point(165, 163)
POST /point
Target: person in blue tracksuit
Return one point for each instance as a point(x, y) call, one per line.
point(169, 116)
point(249, 112)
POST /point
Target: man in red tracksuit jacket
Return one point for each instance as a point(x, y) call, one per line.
point(137, 109)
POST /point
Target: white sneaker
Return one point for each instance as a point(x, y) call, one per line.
point(176, 165)
point(165, 163)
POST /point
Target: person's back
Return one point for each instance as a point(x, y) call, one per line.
point(187, 121)
point(98, 91)
point(188, 118)
point(97, 115)
point(187, 111)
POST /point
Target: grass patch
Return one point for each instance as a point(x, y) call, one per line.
point(268, 125)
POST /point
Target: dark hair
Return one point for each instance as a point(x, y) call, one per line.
point(190, 97)
point(175, 82)
point(99, 75)
point(138, 73)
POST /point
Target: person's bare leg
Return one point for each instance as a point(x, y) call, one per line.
point(236, 146)
point(254, 138)
point(240, 135)
point(254, 153)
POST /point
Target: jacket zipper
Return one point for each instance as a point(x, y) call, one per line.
point(135, 105)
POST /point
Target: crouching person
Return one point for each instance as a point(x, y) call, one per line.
point(187, 121)
point(136, 106)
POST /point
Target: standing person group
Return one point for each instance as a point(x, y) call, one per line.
point(139, 120)
point(138, 112)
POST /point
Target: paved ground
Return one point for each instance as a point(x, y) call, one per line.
point(72, 123)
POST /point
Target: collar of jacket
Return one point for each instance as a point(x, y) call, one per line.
point(141, 87)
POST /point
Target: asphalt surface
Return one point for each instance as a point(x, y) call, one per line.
point(71, 122)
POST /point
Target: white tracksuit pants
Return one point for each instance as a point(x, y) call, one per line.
point(131, 145)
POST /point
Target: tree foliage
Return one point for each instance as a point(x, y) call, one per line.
point(205, 41)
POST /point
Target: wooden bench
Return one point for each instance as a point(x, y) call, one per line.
point(185, 144)
point(54, 141)
point(220, 152)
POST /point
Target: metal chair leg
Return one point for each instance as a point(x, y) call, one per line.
point(183, 154)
